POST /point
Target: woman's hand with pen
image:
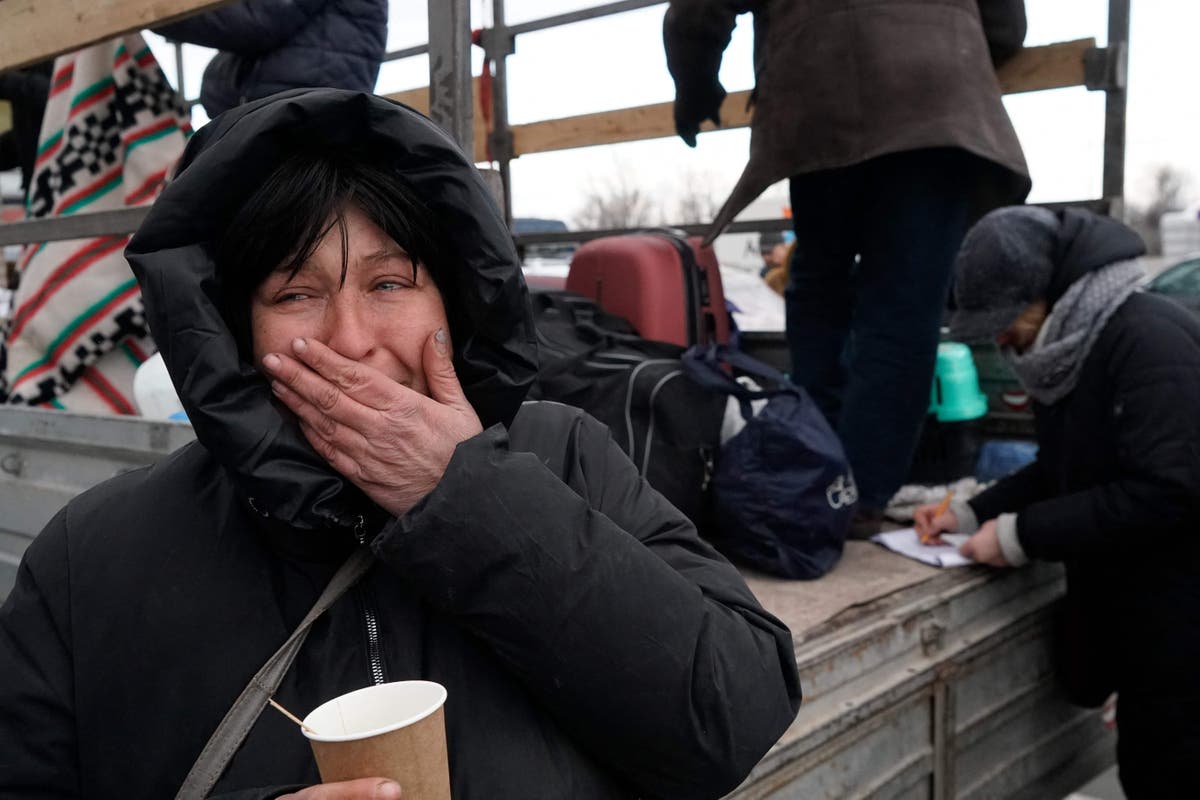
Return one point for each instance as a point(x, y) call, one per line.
point(933, 520)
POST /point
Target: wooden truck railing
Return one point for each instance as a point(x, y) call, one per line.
point(32, 30)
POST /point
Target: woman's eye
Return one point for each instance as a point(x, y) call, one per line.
point(291, 297)
point(391, 286)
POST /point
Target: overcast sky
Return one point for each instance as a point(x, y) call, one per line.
point(617, 62)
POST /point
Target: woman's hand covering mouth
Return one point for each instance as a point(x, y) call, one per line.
point(390, 441)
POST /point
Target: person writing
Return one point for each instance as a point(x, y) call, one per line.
point(341, 310)
point(1115, 491)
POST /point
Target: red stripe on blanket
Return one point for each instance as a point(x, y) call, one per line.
point(138, 353)
point(84, 103)
point(78, 262)
point(52, 146)
point(107, 392)
point(160, 133)
point(148, 188)
point(100, 183)
point(149, 130)
point(27, 256)
point(80, 327)
point(62, 79)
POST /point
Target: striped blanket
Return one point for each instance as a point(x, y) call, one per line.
point(113, 129)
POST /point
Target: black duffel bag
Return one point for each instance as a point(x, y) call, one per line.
point(669, 427)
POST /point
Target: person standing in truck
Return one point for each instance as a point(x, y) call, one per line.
point(1114, 494)
point(887, 119)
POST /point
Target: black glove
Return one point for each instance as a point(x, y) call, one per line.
point(693, 105)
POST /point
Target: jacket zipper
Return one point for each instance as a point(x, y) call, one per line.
point(374, 648)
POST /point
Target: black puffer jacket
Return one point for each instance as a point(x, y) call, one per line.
point(1115, 490)
point(591, 644)
point(268, 46)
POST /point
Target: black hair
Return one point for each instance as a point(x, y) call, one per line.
point(283, 221)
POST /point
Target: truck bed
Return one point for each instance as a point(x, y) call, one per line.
point(918, 682)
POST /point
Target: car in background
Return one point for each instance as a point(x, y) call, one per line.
point(545, 265)
point(1180, 282)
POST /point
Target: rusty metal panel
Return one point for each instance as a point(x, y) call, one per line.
point(887, 755)
point(1013, 730)
point(1035, 740)
point(1015, 666)
point(969, 653)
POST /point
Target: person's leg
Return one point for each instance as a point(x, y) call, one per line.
point(819, 296)
point(1158, 747)
point(914, 219)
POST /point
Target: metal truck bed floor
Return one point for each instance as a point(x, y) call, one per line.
point(940, 688)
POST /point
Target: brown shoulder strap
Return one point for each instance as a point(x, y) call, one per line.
point(240, 718)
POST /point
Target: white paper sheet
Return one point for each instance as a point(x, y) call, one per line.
point(906, 543)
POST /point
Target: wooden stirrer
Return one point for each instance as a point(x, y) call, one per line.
point(289, 715)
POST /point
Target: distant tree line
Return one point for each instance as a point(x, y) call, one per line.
point(620, 203)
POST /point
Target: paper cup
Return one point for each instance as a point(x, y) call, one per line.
point(393, 730)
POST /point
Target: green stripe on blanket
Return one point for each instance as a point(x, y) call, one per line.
point(74, 325)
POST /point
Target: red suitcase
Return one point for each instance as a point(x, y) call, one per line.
point(667, 287)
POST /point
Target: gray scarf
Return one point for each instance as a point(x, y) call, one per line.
point(1050, 369)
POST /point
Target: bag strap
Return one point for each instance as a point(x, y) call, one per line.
point(589, 323)
point(580, 314)
point(703, 365)
point(232, 731)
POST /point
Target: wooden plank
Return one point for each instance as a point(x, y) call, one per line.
point(1050, 66)
point(34, 30)
point(622, 125)
point(419, 100)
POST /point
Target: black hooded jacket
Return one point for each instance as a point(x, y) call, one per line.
point(591, 644)
point(1115, 490)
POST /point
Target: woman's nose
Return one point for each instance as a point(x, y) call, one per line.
point(348, 329)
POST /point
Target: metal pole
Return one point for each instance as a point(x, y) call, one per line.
point(1114, 107)
point(75, 226)
point(407, 52)
point(501, 137)
point(179, 70)
point(595, 12)
point(450, 103)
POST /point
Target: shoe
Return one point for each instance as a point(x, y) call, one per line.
point(865, 523)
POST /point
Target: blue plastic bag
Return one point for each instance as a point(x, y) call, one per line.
point(1000, 458)
point(783, 492)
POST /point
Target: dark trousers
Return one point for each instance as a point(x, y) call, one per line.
point(875, 243)
point(1158, 747)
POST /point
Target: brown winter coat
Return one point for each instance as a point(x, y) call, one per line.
point(843, 81)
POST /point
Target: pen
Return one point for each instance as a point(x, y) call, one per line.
point(941, 509)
